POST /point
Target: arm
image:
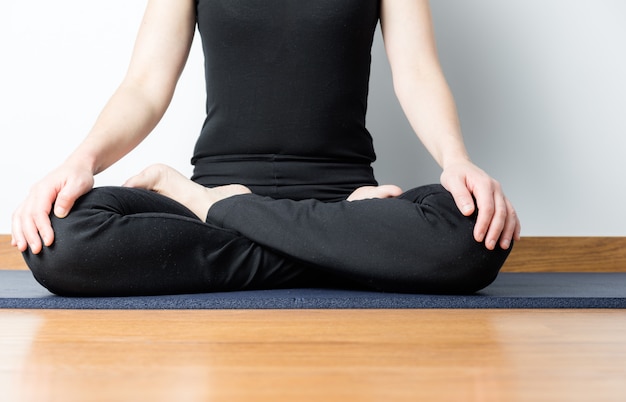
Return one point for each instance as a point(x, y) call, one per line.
point(159, 56)
point(160, 53)
point(429, 106)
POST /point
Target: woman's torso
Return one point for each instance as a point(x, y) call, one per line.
point(287, 84)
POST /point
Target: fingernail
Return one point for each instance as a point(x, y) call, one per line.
point(491, 244)
point(466, 208)
point(505, 244)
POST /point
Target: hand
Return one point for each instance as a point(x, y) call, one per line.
point(497, 220)
point(31, 221)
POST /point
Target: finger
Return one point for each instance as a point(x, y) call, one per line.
point(28, 221)
point(486, 208)
point(518, 229)
point(24, 229)
point(17, 235)
point(511, 227)
point(31, 235)
point(498, 221)
point(44, 227)
point(462, 196)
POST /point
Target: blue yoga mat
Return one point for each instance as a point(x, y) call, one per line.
point(19, 290)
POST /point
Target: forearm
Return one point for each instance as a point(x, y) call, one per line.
point(429, 106)
point(160, 53)
point(418, 79)
point(128, 117)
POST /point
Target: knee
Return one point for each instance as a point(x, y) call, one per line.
point(450, 260)
point(457, 271)
point(467, 266)
point(50, 275)
point(66, 267)
point(55, 267)
point(471, 269)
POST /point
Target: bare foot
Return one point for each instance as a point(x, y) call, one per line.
point(367, 192)
point(169, 182)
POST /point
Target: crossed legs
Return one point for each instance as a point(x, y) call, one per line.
point(128, 241)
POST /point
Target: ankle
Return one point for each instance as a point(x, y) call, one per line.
point(220, 193)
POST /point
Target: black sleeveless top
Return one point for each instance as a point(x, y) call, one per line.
point(287, 85)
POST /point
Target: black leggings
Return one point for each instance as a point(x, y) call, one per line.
point(121, 241)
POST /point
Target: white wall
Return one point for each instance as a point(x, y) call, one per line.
point(541, 90)
point(61, 61)
point(540, 86)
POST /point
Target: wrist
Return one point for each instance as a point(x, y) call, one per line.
point(83, 161)
point(457, 159)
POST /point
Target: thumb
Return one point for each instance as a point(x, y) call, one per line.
point(462, 196)
point(65, 200)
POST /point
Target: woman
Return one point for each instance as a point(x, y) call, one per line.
point(282, 193)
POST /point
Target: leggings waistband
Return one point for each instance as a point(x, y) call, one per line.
point(282, 176)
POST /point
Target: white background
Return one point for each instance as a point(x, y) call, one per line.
point(540, 86)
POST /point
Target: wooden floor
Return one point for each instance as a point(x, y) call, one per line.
point(365, 355)
point(313, 355)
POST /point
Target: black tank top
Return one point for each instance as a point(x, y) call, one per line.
point(287, 85)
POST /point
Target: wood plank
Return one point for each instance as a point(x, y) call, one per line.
point(568, 254)
point(531, 254)
point(10, 258)
point(314, 355)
